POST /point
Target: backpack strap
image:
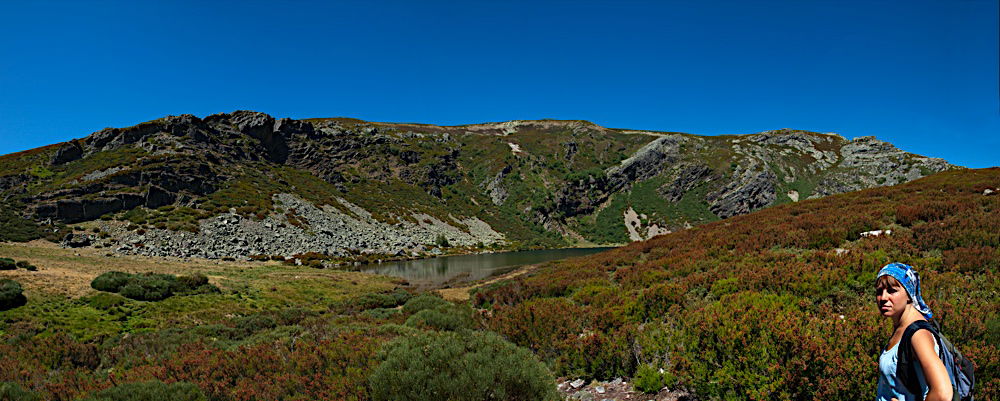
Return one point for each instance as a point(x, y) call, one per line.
point(906, 367)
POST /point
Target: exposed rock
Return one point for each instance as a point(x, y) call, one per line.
point(70, 151)
point(752, 191)
point(73, 240)
point(494, 187)
point(647, 161)
point(77, 210)
point(689, 178)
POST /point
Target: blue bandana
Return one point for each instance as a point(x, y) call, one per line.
point(910, 281)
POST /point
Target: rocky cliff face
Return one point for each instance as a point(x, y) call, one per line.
point(246, 183)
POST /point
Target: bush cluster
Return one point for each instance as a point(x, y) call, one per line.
point(154, 390)
point(14, 392)
point(152, 286)
point(11, 264)
point(11, 294)
point(458, 366)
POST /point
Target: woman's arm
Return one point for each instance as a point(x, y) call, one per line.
point(938, 382)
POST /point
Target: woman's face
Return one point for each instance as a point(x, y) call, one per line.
point(891, 299)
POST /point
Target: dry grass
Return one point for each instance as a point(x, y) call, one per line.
point(68, 272)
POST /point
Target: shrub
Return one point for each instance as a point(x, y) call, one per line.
point(459, 366)
point(445, 317)
point(381, 313)
point(154, 390)
point(14, 392)
point(149, 287)
point(152, 286)
point(421, 302)
point(649, 379)
point(249, 325)
point(10, 294)
point(26, 266)
point(7, 264)
point(110, 281)
point(442, 241)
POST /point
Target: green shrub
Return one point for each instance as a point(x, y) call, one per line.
point(14, 392)
point(442, 241)
point(152, 286)
point(110, 281)
point(381, 313)
point(149, 287)
point(251, 324)
point(459, 366)
point(188, 283)
point(10, 294)
point(151, 391)
point(421, 302)
point(7, 264)
point(650, 380)
point(445, 317)
point(26, 266)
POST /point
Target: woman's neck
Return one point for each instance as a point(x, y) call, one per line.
point(909, 315)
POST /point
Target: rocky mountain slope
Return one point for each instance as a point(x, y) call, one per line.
point(245, 183)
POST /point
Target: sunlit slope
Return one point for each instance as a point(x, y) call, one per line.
point(776, 304)
point(212, 187)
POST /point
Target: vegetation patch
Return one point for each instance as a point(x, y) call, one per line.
point(152, 286)
point(11, 294)
point(459, 366)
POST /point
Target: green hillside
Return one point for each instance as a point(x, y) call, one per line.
point(772, 305)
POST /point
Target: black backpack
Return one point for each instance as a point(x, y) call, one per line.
point(959, 367)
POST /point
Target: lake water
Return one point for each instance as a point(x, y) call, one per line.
point(435, 272)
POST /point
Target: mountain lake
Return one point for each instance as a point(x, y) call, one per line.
point(448, 270)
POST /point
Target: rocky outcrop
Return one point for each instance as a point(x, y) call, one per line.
point(327, 230)
point(647, 162)
point(494, 187)
point(77, 210)
point(688, 178)
point(752, 190)
point(70, 151)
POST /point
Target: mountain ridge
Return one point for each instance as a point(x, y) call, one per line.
point(519, 183)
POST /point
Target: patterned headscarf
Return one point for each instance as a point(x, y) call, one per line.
point(911, 281)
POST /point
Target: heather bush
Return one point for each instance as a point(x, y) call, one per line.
point(381, 313)
point(383, 300)
point(152, 286)
point(459, 366)
point(421, 302)
point(651, 379)
point(111, 281)
point(14, 392)
point(154, 390)
point(7, 264)
point(11, 294)
point(26, 266)
point(444, 317)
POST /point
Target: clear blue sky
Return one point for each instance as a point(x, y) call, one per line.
point(920, 74)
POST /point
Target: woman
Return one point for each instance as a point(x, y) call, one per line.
point(897, 293)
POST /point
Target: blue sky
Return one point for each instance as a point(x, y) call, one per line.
point(920, 74)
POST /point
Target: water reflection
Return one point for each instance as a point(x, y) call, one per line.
point(463, 268)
